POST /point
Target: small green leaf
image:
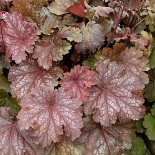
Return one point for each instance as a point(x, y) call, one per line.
point(149, 124)
point(14, 106)
point(90, 62)
point(4, 83)
point(138, 147)
point(152, 55)
point(153, 110)
point(139, 126)
point(4, 63)
point(90, 14)
point(7, 101)
point(150, 91)
point(3, 97)
point(151, 27)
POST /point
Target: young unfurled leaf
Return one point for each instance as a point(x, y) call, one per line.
point(29, 8)
point(115, 95)
point(149, 124)
point(19, 37)
point(92, 37)
point(47, 112)
point(106, 140)
point(138, 147)
point(59, 6)
point(72, 34)
point(127, 34)
point(28, 76)
point(48, 51)
point(13, 141)
point(78, 81)
point(68, 20)
point(48, 21)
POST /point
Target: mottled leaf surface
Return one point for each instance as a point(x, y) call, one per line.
point(65, 147)
point(13, 141)
point(28, 76)
point(47, 112)
point(115, 95)
point(19, 36)
point(106, 141)
point(47, 51)
point(92, 37)
point(101, 11)
point(132, 59)
point(59, 7)
point(72, 34)
point(78, 81)
point(29, 8)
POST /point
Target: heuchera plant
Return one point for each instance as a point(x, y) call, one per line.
point(72, 77)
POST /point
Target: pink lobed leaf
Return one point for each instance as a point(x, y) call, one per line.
point(13, 141)
point(106, 140)
point(78, 81)
point(115, 96)
point(47, 51)
point(47, 112)
point(19, 36)
point(132, 59)
point(28, 76)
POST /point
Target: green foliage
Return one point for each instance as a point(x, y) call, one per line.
point(3, 63)
point(150, 91)
point(90, 62)
point(149, 124)
point(7, 101)
point(150, 24)
point(151, 146)
point(138, 147)
point(139, 126)
point(4, 84)
point(152, 55)
point(150, 87)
